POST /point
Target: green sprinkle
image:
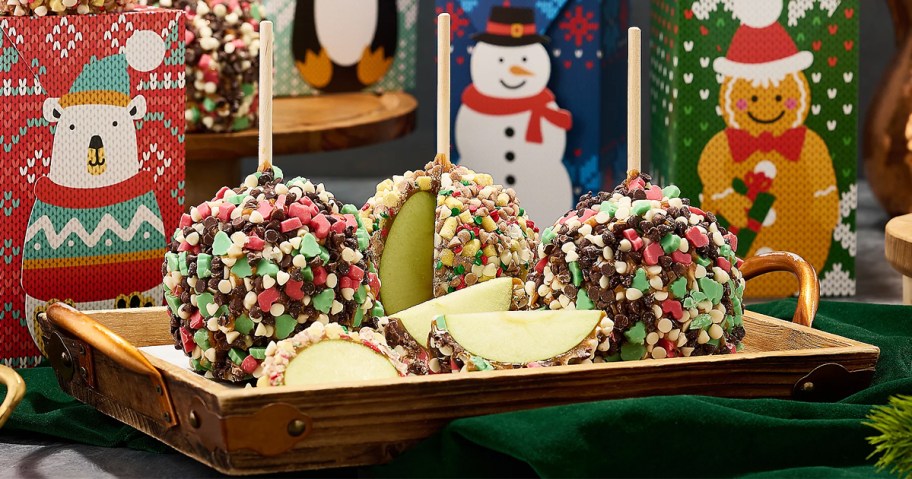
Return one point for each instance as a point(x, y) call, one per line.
point(679, 287)
point(363, 239)
point(670, 243)
point(465, 182)
point(221, 243)
point(640, 207)
point(171, 259)
point(360, 294)
point(237, 356)
point(548, 235)
point(712, 289)
point(454, 212)
point(377, 311)
point(636, 334)
point(440, 320)
point(481, 363)
point(257, 353)
point(277, 172)
point(477, 220)
point(583, 301)
point(208, 104)
point(739, 346)
point(195, 365)
point(704, 262)
point(613, 358)
point(609, 207)
point(243, 324)
point(702, 321)
point(359, 316)
point(689, 302)
point(174, 302)
point(324, 255)
point(309, 246)
point(201, 338)
point(307, 273)
point(438, 265)
point(203, 265)
point(446, 192)
point(639, 280)
point(726, 251)
point(576, 273)
point(285, 324)
point(266, 267)
point(729, 322)
point(240, 123)
point(698, 296)
point(349, 209)
point(522, 212)
point(241, 268)
point(713, 342)
point(323, 300)
point(202, 301)
point(236, 199)
point(671, 191)
point(182, 263)
point(459, 269)
point(632, 352)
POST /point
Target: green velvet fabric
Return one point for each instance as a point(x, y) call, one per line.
point(676, 436)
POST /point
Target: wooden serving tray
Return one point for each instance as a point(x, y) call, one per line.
point(249, 430)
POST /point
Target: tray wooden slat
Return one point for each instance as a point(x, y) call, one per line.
point(370, 422)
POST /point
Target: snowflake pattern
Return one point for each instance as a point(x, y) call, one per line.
point(458, 19)
point(579, 26)
point(846, 237)
point(703, 8)
point(837, 282)
point(797, 9)
point(848, 201)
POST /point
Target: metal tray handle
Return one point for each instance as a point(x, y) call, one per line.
point(109, 343)
point(808, 286)
point(15, 391)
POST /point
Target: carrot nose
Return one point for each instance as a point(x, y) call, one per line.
point(518, 70)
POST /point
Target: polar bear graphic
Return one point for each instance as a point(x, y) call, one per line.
point(95, 237)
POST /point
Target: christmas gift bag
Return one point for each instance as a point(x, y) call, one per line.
point(754, 113)
point(538, 95)
point(337, 46)
point(92, 131)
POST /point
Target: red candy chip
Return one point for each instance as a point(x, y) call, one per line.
point(196, 320)
point(249, 364)
point(320, 226)
point(255, 243)
point(739, 263)
point(187, 340)
point(319, 276)
point(280, 202)
point(724, 264)
point(291, 224)
point(652, 253)
point(695, 210)
point(204, 210)
point(225, 210)
point(587, 213)
point(637, 243)
point(221, 192)
point(374, 281)
point(732, 241)
point(339, 226)
point(345, 282)
point(540, 266)
point(267, 298)
point(184, 246)
point(293, 289)
point(696, 238)
point(302, 212)
point(631, 234)
point(654, 193)
point(265, 209)
point(672, 307)
point(668, 346)
point(637, 184)
point(350, 220)
point(356, 274)
point(185, 220)
point(683, 258)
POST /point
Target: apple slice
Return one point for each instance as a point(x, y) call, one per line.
point(320, 355)
point(511, 339)
point(407, 264)
point(493, 295)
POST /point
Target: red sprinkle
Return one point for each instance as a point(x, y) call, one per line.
point(350, 220)
point(185, 220)
point(587, 213)
point(302, 212)
point(672, 307)
point(540, 266)
point(495, 215)
point(319, 276)
point(265, 209)
point(636, 184)
point(484, 259)
point(225, 210)
point(724, 264)
point(374, 283)
point(293, 289)
point(654, 193)
point(254, 243)
point(683, 258)
point(739, 263)
point(290, 224)
point(196, 320)
point(339, 226)
point(695, 210)
point(221, 192)
point(280, 202)
point(187, 340)
point(345, 282)
point(204, 210)
point(669, 347)
point(184, 246)
point(732, 241)
point(696, 238)
point(320, 226)
point(266, 298)
point(652, 253)
point(249, 364)
point(355, 273)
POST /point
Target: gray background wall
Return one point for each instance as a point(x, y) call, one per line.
point(352, 174)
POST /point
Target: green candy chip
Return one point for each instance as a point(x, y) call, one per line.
point(377, 311)
point(639, 280)
point(632, 352)
point(679, 287)
point(204, 265)
point(609, 207)
point(201, 338)
point(257, 353)
point(267, 268)
point(284, 325)
point(202, 302)
point(670, 243)
point(636, 334)
point(583, 301)
point(182, 263)
point(548, 235)
point(323, 300)
point(360, 295)
point(359, 317)
point(171, 259)
point(174, 302)
point(702, 321)
point(671, 191)
point(241, 268)
point(309, 246)
point(640, 207)
point(576, 273)
point(307, 273)
point(237, 356)
point(243, 324)
point(221, 243)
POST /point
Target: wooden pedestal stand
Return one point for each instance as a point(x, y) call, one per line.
point(898, 249)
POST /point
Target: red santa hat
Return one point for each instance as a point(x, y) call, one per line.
point(761, 49)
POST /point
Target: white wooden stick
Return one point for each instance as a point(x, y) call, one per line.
point(443, 86)
point(265, 96)
point(633, 100)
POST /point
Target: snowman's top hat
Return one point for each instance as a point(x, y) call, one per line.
point(511, 27)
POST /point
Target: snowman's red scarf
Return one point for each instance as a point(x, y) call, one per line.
point(537, 105)
point(64, 196)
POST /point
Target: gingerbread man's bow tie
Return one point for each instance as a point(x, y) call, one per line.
point(743, 144)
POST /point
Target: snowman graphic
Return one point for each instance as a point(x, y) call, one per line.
point(509, 124)
point(95, 236)
point(768, 176)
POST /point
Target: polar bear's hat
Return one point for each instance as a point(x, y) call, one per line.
point(106, 81)
point(761, 49)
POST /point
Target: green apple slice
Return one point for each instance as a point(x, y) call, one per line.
point(493, 295)
point(407, 262)
point(337, 360)
point(520, 337)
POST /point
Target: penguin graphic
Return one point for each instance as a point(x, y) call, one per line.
point(344, 45)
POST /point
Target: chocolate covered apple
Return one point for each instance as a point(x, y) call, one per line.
point(663, 270)
point(443, 228)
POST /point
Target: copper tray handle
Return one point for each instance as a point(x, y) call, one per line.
point(808, 286)
point(109, 343)
point(15, 391)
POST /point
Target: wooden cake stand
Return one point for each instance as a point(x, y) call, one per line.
point(898, 250)
point(300, 125)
